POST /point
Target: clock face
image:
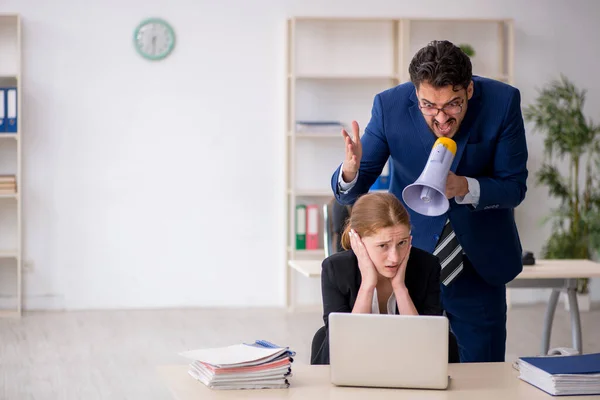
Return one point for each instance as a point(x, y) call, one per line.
point(154, 39)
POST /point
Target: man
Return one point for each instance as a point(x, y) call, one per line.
point(479, 249)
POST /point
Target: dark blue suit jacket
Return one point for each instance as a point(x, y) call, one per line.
point(491, 147)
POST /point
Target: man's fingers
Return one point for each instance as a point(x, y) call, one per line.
point(355, 132)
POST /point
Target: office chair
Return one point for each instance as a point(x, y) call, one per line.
point(334, 220)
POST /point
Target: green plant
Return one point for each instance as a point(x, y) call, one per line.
point(467, 49)
point(570, 138)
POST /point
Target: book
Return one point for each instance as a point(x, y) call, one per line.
point(323, 127)
point(258, 365)
point(562, 375)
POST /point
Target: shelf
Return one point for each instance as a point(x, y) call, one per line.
point(10, 314)
point(311, 252)
point(313, 193)
point(501, 78)
point(324, 83)
point(465, 20)
point(386, 19)
point(308, 268)
point(11, 155)
point(343, 77)
point(317, 135)
point(9, 254)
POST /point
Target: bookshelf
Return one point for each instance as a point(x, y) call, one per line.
point(10, 167)
point(335, 67)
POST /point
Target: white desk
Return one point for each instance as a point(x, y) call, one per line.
point(552, 274)
point(483, 381)
point(558, 275)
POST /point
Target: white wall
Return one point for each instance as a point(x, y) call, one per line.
point(158, 184)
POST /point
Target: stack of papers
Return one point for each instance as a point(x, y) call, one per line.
point(258, 365)
point(562, 375)
point(323, 127)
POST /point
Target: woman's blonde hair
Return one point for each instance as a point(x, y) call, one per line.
point(372, 212)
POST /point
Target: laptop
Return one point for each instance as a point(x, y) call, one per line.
point(394, 351)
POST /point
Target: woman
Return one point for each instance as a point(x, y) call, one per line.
point(379, 271)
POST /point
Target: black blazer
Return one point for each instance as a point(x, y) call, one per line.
point(341, 279)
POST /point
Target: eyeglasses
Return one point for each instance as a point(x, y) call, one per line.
point(449, 109)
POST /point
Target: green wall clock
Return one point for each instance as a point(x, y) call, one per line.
point(154, 39)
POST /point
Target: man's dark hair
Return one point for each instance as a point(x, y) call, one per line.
point(441, 63)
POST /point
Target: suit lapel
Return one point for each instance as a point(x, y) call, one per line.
point(462, 137)
point(427, 137)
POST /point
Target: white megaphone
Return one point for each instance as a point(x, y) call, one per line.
point(427, 195)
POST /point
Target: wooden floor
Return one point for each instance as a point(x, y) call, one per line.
point(112, 354)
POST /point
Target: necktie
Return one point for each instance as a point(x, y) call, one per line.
point(449, 252)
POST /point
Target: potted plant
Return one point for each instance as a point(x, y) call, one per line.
point(467, 49)
point(570, 138)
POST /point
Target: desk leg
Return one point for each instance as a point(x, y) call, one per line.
point(575, 320)
point(548, 321)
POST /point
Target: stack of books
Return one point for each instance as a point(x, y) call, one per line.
point(8, 184)
point(562, 375)
point(258, 365)
point(322, 127)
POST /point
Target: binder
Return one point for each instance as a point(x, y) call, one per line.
point(312, 227)
point(2, 110)
point(11, 109)
point(383, 180)
point(562, 375)
point(300, 227)
point(575, 364)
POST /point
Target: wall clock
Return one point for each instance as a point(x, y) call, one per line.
point(154, 39)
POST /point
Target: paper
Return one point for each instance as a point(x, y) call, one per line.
point(233, 355)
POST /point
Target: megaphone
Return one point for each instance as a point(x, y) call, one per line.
point(427, 195)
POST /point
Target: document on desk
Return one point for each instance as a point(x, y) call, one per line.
point(234, 355)
point(259, 365)
point(563, 375)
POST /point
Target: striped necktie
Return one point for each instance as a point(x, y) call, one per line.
point(449, 252)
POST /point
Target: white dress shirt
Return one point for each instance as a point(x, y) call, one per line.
point(391, 304)
point(472, 197)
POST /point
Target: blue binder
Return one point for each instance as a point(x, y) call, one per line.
point(2, 110)
point(577, 364)
point(10, 111)
point(384, 179)
point(562, 375)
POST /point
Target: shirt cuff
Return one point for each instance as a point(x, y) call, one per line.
point(473, 196)
point(344, 187)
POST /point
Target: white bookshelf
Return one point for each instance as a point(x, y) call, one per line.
point(11, 164)
point(335, 67)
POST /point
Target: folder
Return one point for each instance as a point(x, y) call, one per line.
point(11, 110)
point(2, 110)
point(562, 375)
point(312, 227)
point(244, 366)
point(383, 180)
point(300, 227)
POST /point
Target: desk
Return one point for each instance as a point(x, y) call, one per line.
point(558, 275)
point(489, 381)
point(546, 274)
